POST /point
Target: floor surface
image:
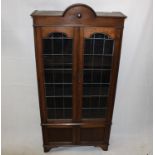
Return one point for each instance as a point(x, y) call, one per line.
point(119, 145)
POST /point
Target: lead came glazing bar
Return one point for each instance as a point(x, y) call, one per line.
point(63, 79)
point(53, 81)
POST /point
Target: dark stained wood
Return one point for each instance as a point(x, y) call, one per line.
point(47, 148)
point(68, 31)
point(80, 74)
point(78, 21)
point(70, 17)
point(114, 73)
point(92, 124)
point(109, 31)
point(61, 13)
point(93, 135)
point(78, 8)
point(40, 77)
point(74, 81)
point(40, 72)
point(74, 22)
point(75, 72)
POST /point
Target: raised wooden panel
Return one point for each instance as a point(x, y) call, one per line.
point(93, 135)
point(59, 134)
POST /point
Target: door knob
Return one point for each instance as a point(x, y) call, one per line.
point(79, 15)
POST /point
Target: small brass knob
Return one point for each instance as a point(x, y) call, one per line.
point(79, 15)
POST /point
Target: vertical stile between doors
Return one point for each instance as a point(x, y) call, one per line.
point(75, 83)
point(80, 73)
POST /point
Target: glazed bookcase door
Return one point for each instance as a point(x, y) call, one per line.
point(57, 54)
point(98, 50)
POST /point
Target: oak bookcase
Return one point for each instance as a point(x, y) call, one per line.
point(77, 58)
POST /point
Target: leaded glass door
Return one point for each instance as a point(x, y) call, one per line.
point(57, 45)
point(98, 49)
point(77, 79)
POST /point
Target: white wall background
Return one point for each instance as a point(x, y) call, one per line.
point(132, 123)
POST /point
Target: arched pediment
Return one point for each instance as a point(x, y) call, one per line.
point(79, 11)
